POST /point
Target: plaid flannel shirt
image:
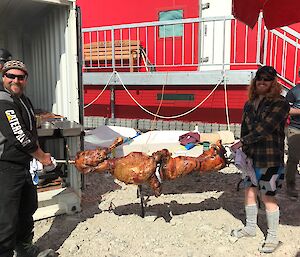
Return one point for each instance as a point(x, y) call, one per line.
point(262, 131)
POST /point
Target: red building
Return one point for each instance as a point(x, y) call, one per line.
point(180, 62)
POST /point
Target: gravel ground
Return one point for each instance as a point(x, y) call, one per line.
point(193, 218)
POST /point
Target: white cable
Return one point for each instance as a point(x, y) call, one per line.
point(95, 99)
point(169, 117)
point(160, 116)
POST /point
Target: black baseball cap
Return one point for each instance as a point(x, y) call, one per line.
point(5, 56)
point(268, 71)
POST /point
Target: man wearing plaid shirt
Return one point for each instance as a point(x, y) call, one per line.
point(262, 139)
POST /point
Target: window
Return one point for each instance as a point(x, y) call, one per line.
point(176, 97)
point(171, 30)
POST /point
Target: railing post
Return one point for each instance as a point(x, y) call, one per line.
point(258, 52)
point(199, 34)
point(112, 87)
point(224, 35)
point(113, 62)
point(112, 101)
point(265, 48)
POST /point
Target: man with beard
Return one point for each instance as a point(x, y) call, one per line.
point(18, 145)
point(262, 140)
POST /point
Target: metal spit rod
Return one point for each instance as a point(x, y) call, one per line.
point(65, 161)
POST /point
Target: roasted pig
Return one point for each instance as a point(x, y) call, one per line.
point(138, 168)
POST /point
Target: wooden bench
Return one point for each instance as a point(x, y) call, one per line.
point(102, 51)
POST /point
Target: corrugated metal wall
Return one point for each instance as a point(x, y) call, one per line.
point(50, 52)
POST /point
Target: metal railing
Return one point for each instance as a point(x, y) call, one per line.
point(281, 50)
point(214, 43)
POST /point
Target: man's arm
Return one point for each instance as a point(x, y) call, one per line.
point(291, 97)
point(13, 129)
point(294, 111)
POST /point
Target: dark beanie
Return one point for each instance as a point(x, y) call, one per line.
point(5, 55)
point(14, 64)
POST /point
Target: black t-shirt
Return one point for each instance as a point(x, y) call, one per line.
point(293, 97)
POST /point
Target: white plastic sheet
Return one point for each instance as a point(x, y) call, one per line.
point(148, 142)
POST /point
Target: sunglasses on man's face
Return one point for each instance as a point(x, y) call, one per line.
point(13, 76)
point(260, 78)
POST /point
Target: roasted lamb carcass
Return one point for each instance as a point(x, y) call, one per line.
point(211, 160)
point(138, 168)
point(86, 161)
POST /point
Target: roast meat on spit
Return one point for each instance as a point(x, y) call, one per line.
point(138, 168)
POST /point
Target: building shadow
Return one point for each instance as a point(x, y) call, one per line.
point(231, 199)
point(62, 226)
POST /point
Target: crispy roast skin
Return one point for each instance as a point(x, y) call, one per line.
point(86, 161)
point(138, 168)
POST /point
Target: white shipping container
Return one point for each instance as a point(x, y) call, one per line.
point(43, 34)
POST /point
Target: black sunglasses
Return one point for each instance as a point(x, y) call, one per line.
point(13, 76)
point(260, 78)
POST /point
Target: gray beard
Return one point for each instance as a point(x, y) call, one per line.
point(11, 92)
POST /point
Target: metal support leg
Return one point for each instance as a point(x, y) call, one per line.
point(141, 196)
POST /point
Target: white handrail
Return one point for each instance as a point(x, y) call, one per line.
point(287, 37)
point(159, 23)
point(208, 54)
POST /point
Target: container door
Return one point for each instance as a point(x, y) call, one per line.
point(79, 63)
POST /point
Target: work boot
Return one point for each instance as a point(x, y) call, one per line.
point(33, 251)
point(27, 249)
point(291, 191)
point(47, 253)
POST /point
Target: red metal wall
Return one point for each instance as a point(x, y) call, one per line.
point(241, 51)
point(132, 12)
point(275, 59)
point(212, 110)
point(104, 13)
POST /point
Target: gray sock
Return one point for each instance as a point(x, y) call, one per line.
point(273, 222)
point(251, 221)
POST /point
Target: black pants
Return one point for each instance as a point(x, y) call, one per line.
point(293, 156)
point(18, 202)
